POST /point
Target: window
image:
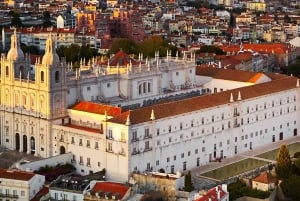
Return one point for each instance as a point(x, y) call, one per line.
point(168, 159)
point(96, 145)
point(184, 165)
point(42, 76)
point(147, 145)
point(174, 158)
point(22, 193)
point(177, 73)
point(88, 88)
point(56, 76)
point(108, 85)
point(147, 133)
point(170, 139)
point(109, 146)
point(180, 126)
point(203, 149)
point(182, 155)
point(72, 140)
point(189, 153)
point(196, 151)
point(170, 129)
point(80, 142)
point(134, 135)
point(157, 163)
point(88, 143)
point(110, 134)
point(157, 132)
point(88, 162)
point(80, 160)
point(6, 71)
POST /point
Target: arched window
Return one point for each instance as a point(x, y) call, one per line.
point(56, 76)
point(6, 71)
point(42, 76)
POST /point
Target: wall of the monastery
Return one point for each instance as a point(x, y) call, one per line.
point(223, 85)
point(91, 120)
point(226, 131)
point(29, 127)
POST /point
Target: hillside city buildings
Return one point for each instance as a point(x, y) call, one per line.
point(130, 117)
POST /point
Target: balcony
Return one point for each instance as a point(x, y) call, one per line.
point(135, 152)
point(148, 149)
point(148, 136)
point(236, 125)
point(4, 195)
point(236, 114)
point(134, 140)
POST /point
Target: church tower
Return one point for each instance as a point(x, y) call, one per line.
point(50, 76)
point(15, 67)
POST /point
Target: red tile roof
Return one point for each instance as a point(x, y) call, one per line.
point(97, 108)
point(265, 178)
point(168, 109)
point(15, 174)
point(277, 48)
point(212, 194)
point(122, 59)
point(111, 187)
point(228, 74)
point(84, 128)
point(40, 194)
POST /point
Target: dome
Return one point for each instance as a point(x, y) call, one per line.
point(50, 57)
point(15, 51)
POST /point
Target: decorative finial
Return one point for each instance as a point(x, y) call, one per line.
point(231, 98)
point(239, 96)
point(128, 121)
point(152, 116)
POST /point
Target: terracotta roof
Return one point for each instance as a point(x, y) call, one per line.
point(228, 74)
point(212, 194)
point(94, 130)
point(97, 108)
point(111, 187)
point(15, 174)
point(168, 109)
point(122, 59)
point(40, 194)
point(265, 178)
point(277, 48)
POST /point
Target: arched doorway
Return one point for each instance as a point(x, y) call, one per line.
point(24, 143)
point(32, 145)
point(62, 150)
point(17, 141)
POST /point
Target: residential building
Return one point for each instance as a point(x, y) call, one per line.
point(264, 182)
point(218, 193)
point(19, 185)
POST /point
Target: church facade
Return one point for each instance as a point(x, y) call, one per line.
point(141, 115)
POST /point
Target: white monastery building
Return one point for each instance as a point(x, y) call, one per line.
point(129, 115)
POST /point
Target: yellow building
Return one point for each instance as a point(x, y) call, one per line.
point(257, 6)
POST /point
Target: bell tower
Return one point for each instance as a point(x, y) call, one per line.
point(50, 75)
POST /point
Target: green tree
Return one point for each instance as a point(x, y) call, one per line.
point(15, 19)
point(211, 49)
point(127, 45)
point(188, 184)
point(283, 163)
point(290, 187)
point(156, 43)
point(47, 19)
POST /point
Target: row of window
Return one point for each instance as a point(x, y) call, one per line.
point(236, 124)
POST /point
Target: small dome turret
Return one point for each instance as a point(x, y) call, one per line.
point(15, 52)
point(50, 57)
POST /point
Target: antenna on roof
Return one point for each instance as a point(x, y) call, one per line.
point(231, 98)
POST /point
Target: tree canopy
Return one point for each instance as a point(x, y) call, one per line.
point(283, 163)
point(188, 185)
point(148, 47)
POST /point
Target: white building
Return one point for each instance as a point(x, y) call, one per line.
point(19, 185)
point(140, 115)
